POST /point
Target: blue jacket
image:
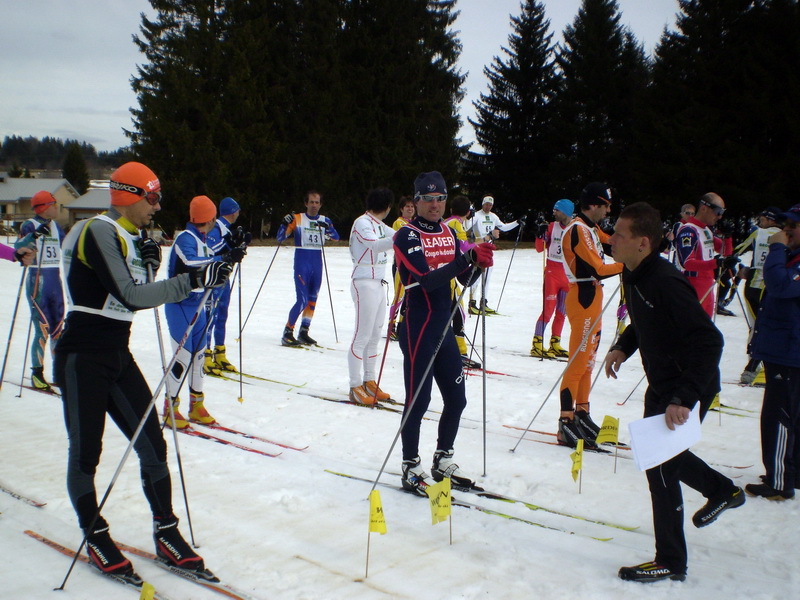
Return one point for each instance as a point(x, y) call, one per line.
point(776, 335)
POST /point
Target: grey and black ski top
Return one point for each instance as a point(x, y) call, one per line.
point(679, 345)
point(106, 283)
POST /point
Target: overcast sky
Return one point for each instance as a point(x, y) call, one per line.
point(66, 65)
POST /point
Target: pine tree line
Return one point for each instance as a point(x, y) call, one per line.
point(711, 110)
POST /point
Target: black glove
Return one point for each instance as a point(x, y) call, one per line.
point(19, 254)
point(730, 262)
point(720, 261)
point(150, 252)
point(43, 229)
point(321, 224)
point(541, 231)
point(288, 218)
point(212, 275)
point(235, 255)
point(522, 220)
point(238, 237)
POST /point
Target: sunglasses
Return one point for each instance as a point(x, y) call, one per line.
point(431, 198)
point(689, 213)
point(718, 210)
point(152, 198)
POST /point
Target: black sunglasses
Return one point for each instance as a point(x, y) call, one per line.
point(718, 210)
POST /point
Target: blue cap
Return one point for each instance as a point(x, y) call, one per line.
point(228, 206)
point(793, 214)
point(565, 206)
point(429, 183)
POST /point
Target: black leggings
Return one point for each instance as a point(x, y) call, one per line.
point(96, 383)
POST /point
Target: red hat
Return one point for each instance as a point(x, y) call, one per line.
point(202, 210)
point(41, 200)
point(131, 182)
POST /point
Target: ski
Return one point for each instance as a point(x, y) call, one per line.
point(555, 442)
point(213, 584)
point(249, 436)
point(727, 411)
point(377, 406)
point(478, 372)
point(747, 410)
point(260, 378)
point(50, 392)
point(132, 581)
point(226, 377)
point(620, 445)
point(20, 497)
point(472, 506)
point(213, 438)
point(528, 355)
point(481, 492)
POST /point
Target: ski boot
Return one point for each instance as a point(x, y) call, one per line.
point(556, 349)
point(173, 550)
point(210, 367)
point(222, 361)
point(473, 308)
point(306, 339)
point(538, 350)
point(180, 421)
point(105, 555)
point(197, 410)
point(372, 387)
point(443, 466)
point(468, 363)
point(38, 380)
point(288, 338)
point(359, 395)
point(588, 428)
point(415, 479)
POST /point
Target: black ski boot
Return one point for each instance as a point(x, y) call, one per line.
point(104, 554)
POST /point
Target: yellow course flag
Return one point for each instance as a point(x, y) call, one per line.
point(609, 431)
point(439, 497)
point(148, 591)
point(715, 402)
point(577, 460)
point(376, 521)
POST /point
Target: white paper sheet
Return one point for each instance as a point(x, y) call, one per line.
point(653, 443)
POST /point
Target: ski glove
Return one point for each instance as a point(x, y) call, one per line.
point(235, 255)
point(288, 219)
point(239, 237)
point(41, 230)
point(212, 275)
point(481, 255)
point(150, 252)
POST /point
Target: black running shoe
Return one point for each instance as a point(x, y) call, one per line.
point(649, 572)
point(767, 491)
point(717, 505)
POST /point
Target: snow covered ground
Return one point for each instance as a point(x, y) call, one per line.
point(283, 528)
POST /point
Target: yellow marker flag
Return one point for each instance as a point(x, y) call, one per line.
point(577, 460)
point(715, 402)
point(376, 521)
point(609, 431)
point(148, 591)
point(439, 497)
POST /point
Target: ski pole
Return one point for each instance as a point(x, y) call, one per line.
point(241, 381)
point(34, 309)
point(25, 358)
point(633, 390)
point(508, 270)
point(13, 322)
point(385, 351)
point(483, 347)
point(328, 283)
point(138, 430)
point(241, 328)
point(410, 405)
point(571, 360)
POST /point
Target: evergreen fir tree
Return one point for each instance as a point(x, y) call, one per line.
point(514, 124)
point(74, 169)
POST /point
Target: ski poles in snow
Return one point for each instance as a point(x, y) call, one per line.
point(13, 322)
point(328, 283)
point(508, 270)
point(258, 293)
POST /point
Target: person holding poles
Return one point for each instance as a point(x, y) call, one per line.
point(584, 266)
point(682, 370)
point(370, 239)
point(555, 284)
point(190, 251)
point(407, 211)
point(24, 256)
point(105, 269)
point(222, 239)
point(486, 227)
point(428, 257)
point(44, 290)
point(310, 231)
point(696, 251)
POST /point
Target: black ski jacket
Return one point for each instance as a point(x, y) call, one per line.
point(680, 346)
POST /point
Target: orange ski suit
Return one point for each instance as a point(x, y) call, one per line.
point(584, 267)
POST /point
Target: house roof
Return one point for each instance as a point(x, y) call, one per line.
point(14, 189)
point(93, 199)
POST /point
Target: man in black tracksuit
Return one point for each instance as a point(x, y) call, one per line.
point(682, 370)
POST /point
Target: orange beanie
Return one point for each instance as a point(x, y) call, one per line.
point(128, 180)
point(41, 200)
point(202, 210)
